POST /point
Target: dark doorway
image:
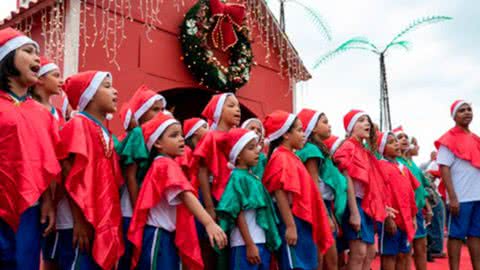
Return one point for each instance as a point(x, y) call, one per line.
point(189, 102)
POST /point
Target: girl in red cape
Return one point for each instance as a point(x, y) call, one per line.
point(167, 201)
point(365, 188)
point(209, 165)
point(304, 225)
point(396, 234)
point(194, 129)
point(28, 163)
point(92, 175)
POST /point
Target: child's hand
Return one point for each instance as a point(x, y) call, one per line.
point(291, 235)
point(216, 235)
point(82, 234)
point(47, 214)
point(391, 212)
point(390, 226)
point(355, 221)
point(253, 255)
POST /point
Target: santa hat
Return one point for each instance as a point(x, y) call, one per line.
point(251, 120)
point(277, 123)
point(234, 142)
point(65, 104)
point(123, 116)
point(46, 66)
point(309, 119)
point(398, 130)
point(456, 105)
point(213, 110)
point(154, 128)
point(351, 118)
point(382, 138)
point(140, 103)
point(191, 125)
point(332, 143)
point(81, 87)
point(11, 39)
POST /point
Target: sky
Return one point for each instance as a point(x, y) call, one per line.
point(440, 67)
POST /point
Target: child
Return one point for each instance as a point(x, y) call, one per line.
point(246, 208)
point(396, 234)
point(304, 221)
point(28, 163)
point(420, 242)
point(209, 166)
point(332, 184)
point(365, 191)
point(193, 129)
point(256, 125)
point(166, 201)
point(92, 175)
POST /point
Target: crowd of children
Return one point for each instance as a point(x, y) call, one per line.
point(213, 193)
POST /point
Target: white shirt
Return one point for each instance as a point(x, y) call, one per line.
point(327, 192)
point(465, 177)
point(256, 232)
point(359, 189)
point(125, 203)
point(164, 214)
point(64, 215)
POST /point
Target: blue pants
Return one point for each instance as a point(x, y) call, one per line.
point(126, 259)
point(21, 250)
point(466, 223)
point(391, 245)
point(238, 258)
point(367, 227)
point(435, 231)
point(421, 230)
point(158, 250)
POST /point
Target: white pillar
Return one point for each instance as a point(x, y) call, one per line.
point(72, 38)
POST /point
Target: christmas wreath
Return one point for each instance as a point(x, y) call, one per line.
point(225, 25)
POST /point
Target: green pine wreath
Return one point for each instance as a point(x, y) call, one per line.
point(199, 58)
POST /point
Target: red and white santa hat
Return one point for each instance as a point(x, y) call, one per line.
point(46, 66)
point(398, 130)
point(154, 128)
point(235, 140)
point(140, 103)
point(278, 123)
point(11, 39)
point(309, 119)
point(382, 138)
point(191, 125)
point(351, 118)
point(213, 110)
point(332, 143)
point(81, 87)
point(456, 105)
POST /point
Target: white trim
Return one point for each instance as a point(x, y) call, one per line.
point(219, 106)
point(289, 255)
point(14, 44)
point(147, 105)
point(65, 107)
point(75, 259)
point(55, 244)
point(240, 144)
point(128, 118)
point(153, 138)
point(47, 68)
point(92, 88)
point(383, 142)
point(354, 120)
point(382, 239)
point(275, 135)
point(335, 145)
point(459, 104)
point(195, 127)
point(311, 124)
point(72, 38)
point(152, 251)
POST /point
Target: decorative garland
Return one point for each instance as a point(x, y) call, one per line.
point(226, 25)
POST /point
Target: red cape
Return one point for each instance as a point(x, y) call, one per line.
point(286, 171)
point(185, 160)
point(94, 183)
point(361, 165)
point(208, 150)
point(163, 174)
point(28, 163)
point(463, 145)
point(400, 185)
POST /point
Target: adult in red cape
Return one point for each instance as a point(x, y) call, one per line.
point(91, 166)
point(459, 161)
point(285, 176)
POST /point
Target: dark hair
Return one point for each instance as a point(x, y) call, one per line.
point(372, 139)
point(7, 70)
point(276, 143)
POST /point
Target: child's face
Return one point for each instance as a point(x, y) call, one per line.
point(152, 112)
point(51, 82)
point(200, 132)
point(106, 96)
point(392, 148)
point(323, 129)
point(248, 157)
point(296, 136)
point(255, 126)
point(403, 141)
point(362, 127)
point(171, 142)
point(231, 111)
point(27, 62)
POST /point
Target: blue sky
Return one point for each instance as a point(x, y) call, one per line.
point(441, 66)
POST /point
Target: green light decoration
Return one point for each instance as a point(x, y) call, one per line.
point(362, 43)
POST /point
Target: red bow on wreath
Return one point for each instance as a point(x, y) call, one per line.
point(229, 16)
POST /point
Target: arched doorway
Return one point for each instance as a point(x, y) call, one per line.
point(189, 102)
